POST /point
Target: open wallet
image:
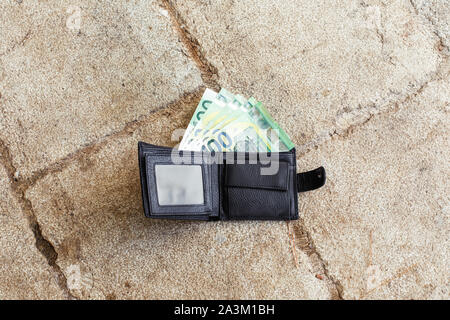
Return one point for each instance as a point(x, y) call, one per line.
point(222, 185)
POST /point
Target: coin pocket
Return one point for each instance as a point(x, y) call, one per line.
point(251, 194)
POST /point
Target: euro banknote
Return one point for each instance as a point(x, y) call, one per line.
point(226, 122)
point(205, 103)
point(226, 129)
point(210, 113)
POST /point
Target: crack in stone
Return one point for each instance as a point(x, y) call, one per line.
point(363, 115)
point(44, 246)
point(305, 241)
point(436, 30)
point(128, 129)
point(306, 244)
point(16, 44)
point(208, 71)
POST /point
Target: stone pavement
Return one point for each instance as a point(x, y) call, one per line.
point(361, 87)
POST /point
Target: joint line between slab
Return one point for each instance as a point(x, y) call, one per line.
point(371, 112)
point(306, 244)
point(128, 129)
point(43, 245)
point(435, 29)
point(208, 71)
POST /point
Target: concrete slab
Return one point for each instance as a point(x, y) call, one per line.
point(24, 271)
point(314, 63)
point(382, 221)
point(72, 72)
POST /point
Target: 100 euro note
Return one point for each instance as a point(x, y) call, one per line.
point(210, 112)
point(227, 129)
point(240, 134)
point(215, 118)
point(252, 131)
point(205, 102)
point(224, 122)
point(212, 115)
point(276, 135)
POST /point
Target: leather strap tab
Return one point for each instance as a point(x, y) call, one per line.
point(311, 180)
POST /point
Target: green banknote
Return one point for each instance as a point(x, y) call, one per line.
point(253, 130)
point(227, 122)
point(215, 117)
point(231, 129)
point(210, 113)
point(241, 134)
point(238, 135)
point(217, 114)
point(225, 96)
point(205, 103)
point(276, 135)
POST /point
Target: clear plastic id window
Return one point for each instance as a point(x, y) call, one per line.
point(179, 184)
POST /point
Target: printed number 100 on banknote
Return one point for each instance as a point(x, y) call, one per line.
point(224, 122)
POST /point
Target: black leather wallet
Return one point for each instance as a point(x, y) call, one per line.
point(223, 185)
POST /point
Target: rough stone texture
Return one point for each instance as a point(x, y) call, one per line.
point(92, 213)
point(362, 87)
point(438, 13)
point(315, 64)
point(65, 84)
point(382, 221)
point(24, 271)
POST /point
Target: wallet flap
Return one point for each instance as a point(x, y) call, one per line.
point(311, 180)
point(252, 176)
point(259, 186)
